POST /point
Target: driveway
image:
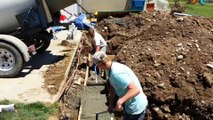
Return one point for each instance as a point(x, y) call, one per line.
point(29, 86)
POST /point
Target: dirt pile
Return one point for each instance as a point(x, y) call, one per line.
point(170, 55)
point(56, 72)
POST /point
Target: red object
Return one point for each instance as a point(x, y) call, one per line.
point(150, 7)
point(194, 1)
point(63, 17)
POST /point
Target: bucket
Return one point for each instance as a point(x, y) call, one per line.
point(150, 7)
point(137, 5)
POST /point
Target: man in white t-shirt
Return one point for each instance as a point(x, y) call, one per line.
point(100, 43)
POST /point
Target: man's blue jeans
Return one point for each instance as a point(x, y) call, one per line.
point(134, 117)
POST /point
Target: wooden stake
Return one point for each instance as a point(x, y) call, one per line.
point(111, 118)
point(87, 74)
point(79, 113)
point(90, 59)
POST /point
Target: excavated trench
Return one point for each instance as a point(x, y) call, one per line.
point(81, 98)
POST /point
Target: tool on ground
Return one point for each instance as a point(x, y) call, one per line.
point(98, 113)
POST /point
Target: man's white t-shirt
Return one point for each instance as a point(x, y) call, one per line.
point(99, 40)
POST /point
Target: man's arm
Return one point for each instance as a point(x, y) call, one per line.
point(97, 48)
point(133, 91)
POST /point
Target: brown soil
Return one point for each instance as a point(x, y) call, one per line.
point(55, 73)
point(169, 55)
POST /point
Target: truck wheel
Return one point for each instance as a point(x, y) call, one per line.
point(11, 61)
point(42, 42)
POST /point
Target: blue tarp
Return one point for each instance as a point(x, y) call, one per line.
point(81, 24)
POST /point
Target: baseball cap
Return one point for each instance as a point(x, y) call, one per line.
point(100, 57)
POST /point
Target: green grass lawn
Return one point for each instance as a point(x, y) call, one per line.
point(32, 111)
point(200, 10)
point(197, 9)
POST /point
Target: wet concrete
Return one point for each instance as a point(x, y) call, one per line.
point(93, 102)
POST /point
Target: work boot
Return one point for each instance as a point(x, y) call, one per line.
point(104, 91)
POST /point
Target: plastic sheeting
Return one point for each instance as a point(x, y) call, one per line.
point(161, 5)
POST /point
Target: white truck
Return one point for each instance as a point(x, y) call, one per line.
point(23, 25)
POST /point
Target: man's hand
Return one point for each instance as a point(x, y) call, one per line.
point(119, 106)
point(97, 48)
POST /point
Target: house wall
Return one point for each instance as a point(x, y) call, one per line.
point(104, 5)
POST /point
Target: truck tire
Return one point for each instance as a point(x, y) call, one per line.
point(42, 42)
point(11, 61)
